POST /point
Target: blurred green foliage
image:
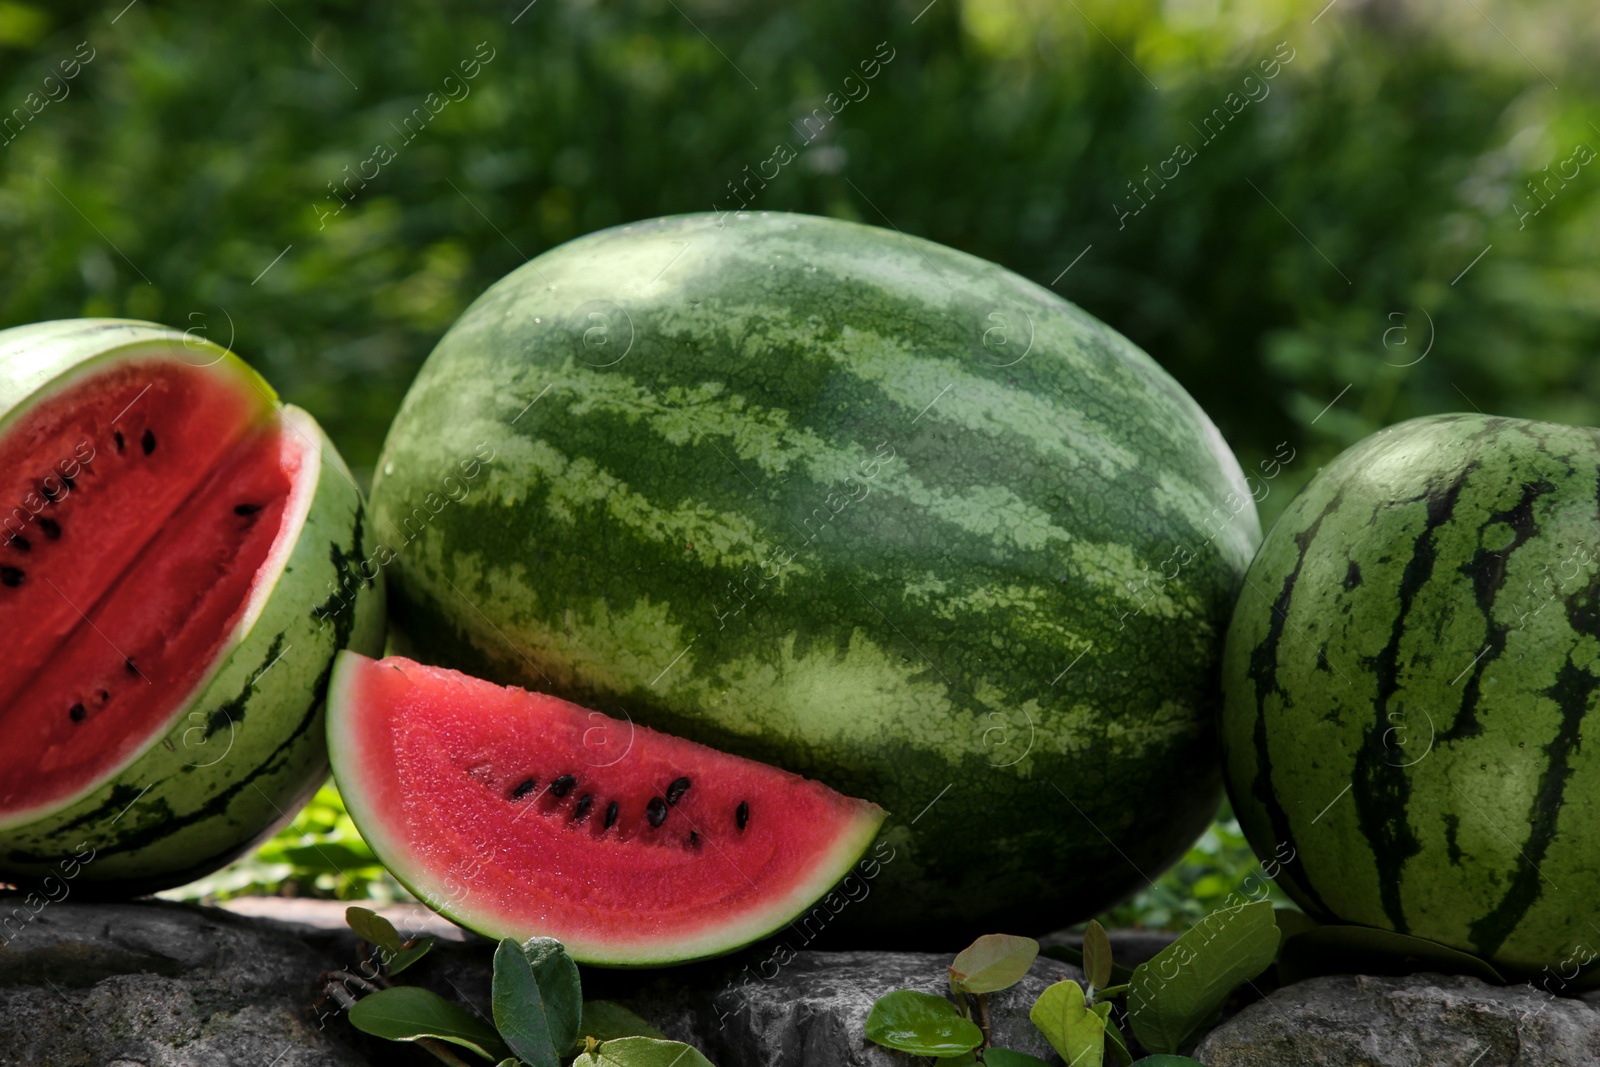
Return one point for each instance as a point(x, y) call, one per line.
point(319, 854)
point(201, 141)
point(1315, 247)
point(1214, 873)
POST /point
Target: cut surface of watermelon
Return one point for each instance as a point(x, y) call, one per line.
point(519, 814)
point(146, 503)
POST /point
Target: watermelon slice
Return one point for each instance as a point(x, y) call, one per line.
point(164, 540)
point(518, 814)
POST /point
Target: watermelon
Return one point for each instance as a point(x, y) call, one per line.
point(520, 815)
point(181, 557)
point(853, 504)
point(1407, 680)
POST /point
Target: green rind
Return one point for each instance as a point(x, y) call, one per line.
point(241, 756)
point(960, 635)
point(445, 892)
point(1406, 697)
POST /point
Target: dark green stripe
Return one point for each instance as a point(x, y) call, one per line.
point(1380, 788)
point(1572, 691)
point(1487, 569)
point(1264, 674)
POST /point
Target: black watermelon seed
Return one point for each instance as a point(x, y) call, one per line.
point(77, 712)
point(68, 482)
point(741, 814)
point(694, 839)
point(246, 509)
point(11, 576)
point(563, 785)
point(48, 493)
point(611, 815)
point(676, 790)
point(117, 437)
point(148, 442)
point(51, 528)
point(582, 808)
point(128, 663)
point(522, 789)
point(656, 811)
point(20, 543)
point(104, 696)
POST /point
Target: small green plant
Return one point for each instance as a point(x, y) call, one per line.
point(1167, 1002)
point(540, 1018)
point(928, 1025)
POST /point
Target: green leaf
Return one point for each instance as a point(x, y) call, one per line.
point(642, 1052)
point(1004, 1057)
point(992, 963)
point(1096, 956)
point(407, 956)
point(1181, 990)
point(373, 928)
point(1074, 1029)
point(1291, 922)
point(922, 1024)
point(557, 976)
point(1366, 950)
point(406, 1013)
point(1116, 1043)
point(376, 930)
point(519, 1009)
point(605, 1020)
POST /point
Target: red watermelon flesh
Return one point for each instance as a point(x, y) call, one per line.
point(142, 499)
point(519, 814)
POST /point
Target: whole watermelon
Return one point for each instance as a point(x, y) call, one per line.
point(855, 504)
point(1408, 678)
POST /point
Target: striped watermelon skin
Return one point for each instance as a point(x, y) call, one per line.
point(854, 504)
point(1407, 680)
point(245, 752)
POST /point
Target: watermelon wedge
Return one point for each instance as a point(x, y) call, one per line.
point(518, 814)
point(168, 531)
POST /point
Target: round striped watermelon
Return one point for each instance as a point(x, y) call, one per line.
point(854, 504)
point(1408, 678)
point(181, 557)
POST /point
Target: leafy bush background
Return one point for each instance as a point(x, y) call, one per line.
point(1299, 259)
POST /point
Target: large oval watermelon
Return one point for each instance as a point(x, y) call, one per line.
point(854, 504)
point(180, 559)
point(1408, 678)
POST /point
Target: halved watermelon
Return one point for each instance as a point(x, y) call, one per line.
point(168, 531)
point(518, 814)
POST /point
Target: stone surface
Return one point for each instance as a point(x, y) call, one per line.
point(160, 985)
point(1425, 1020)
point(156, 984)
